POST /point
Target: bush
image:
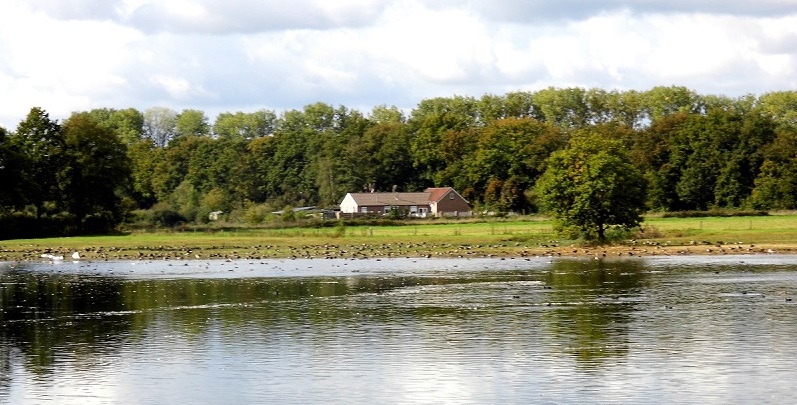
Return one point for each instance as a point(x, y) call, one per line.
point(99, 223)
point(288, 215)
point(648, 232)
point(168, 218)
point(257, 214)
point(18, 225)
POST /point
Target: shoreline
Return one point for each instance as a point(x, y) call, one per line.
point(383, 251)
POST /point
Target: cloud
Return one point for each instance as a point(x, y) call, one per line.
point(215, 17)
point(521, 11)
point(96, 10)
point(245, 55)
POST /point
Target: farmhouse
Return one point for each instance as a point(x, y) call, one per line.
point(434, 202)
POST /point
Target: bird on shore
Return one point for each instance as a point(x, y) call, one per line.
point(52, 257)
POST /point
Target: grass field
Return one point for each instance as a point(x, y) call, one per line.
point(519, 237)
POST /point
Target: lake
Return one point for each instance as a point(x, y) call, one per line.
point(709, 330)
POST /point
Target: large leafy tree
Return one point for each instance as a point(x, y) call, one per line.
point(381, 158)
point(11, 166)
point(782, 107)
point(97, 168)
point(241, 125)
point(41, 141)
point(430, 123)
point(160, 125)
point(591, 186)
point(191, 123)
point(660, 102)
point(128, 124)
point(383, 114)
point(661, 151)
point(143, 158)
point(254, 169)
point(776, 184)
point(511, 152)
point(566, 108)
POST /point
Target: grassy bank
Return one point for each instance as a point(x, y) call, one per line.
point(524, 237)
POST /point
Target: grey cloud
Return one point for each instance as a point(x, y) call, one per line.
point(78, 9)
point(251, 16)
point(786, 44)
point(222, 17)
point(521, 11)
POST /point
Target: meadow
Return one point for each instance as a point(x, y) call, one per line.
point(513, 237)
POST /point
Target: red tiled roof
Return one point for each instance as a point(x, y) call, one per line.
point(437, 193)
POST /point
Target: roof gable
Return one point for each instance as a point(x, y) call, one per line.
point(438, 193)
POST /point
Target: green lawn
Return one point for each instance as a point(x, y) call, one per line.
point(504, 237)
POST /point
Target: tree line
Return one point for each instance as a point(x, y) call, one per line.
point(88, 173)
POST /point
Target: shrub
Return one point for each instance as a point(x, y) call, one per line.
point(168, 218)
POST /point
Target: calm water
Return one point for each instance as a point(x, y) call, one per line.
point(662, 330)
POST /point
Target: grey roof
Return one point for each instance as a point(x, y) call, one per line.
point(371, 199)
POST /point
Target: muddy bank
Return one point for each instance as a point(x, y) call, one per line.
point(389, 250)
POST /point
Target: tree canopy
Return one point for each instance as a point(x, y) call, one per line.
point(694, 151)
point(591, 186)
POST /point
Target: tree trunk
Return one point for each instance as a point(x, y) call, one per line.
point(601, 233)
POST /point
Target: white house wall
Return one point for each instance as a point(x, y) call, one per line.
point(348, 205)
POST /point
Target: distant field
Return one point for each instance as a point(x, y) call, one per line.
point(763, 229)
point(529, 236)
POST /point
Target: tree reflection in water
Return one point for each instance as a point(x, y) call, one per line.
point(592, 304)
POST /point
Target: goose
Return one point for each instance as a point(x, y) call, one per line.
point(52, 257)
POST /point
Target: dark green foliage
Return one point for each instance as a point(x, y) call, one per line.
point(168, 218)
point(507, 160)
point(591, 187)
point(127, 124)
point(395, 213)
point(12, 164)
point(40, 140)
point(191, 123)
point(695, 152)
point(71, 176)
point(776, 183)
point(20, 225)
point(97, 169)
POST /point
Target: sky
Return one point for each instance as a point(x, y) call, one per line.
point(246, 55)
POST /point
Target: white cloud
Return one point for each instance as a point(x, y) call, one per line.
point(439, 45)
point(218, 56)
point(177, 87)
point(61, 64)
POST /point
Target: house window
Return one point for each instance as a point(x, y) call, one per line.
point(451, 196)
point(364, 210)
point(387, 209)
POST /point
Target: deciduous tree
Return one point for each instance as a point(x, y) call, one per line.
point(41, 141)
point(96, 171)
point(160, 124)
point(191, 123)
point(590, 187)
point(12, 164)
